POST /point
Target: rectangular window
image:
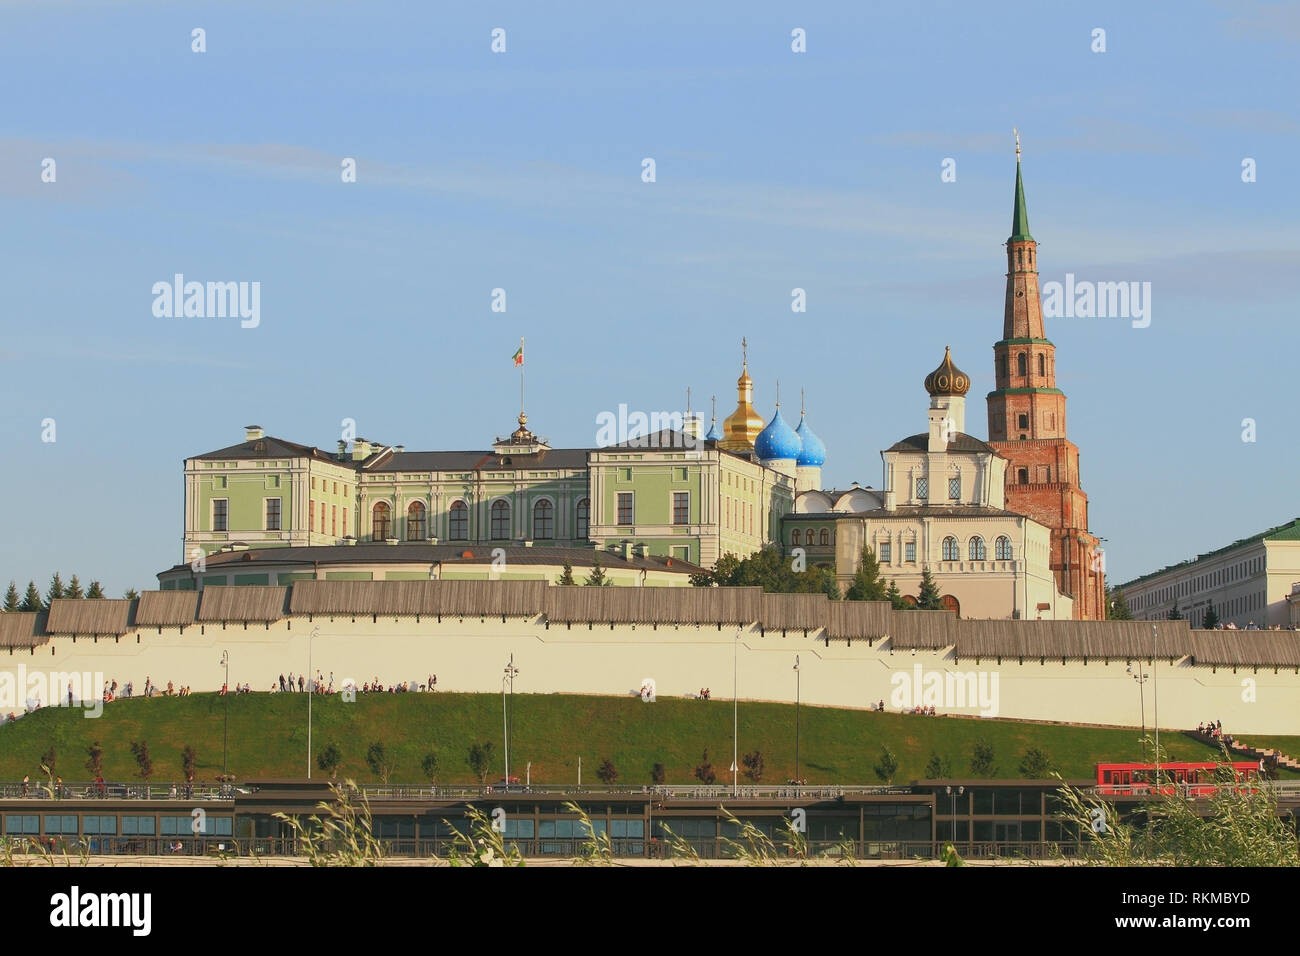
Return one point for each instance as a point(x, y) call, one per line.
point(682, 553)
point(272, 514)
point(322, 517)
point(336, 487)
point(345, 522)
point(22, 824)
point(311, 516)
point(954, 489)
point(625, 474)
point(625, 507)
point(885, 552)
point(681, 507)
point(909, 551)
point(137, 826)
point(334, 519)
point(922, 488)
point(99, 826)
point(65, 824)
point(679, 474)
point(313, 484)
point(220, 514)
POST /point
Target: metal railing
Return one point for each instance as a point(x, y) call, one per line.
point(44, 790)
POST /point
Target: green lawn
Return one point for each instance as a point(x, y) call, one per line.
point(268, 738)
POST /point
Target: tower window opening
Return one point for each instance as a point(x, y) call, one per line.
point(1022, 365)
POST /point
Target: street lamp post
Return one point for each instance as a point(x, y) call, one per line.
point(508, 675)
point(1155, 695)
point(310, 637)
point(797, 695)
point(954, 792)
point(225, 731)
point(735, 715)
point(1141, 679)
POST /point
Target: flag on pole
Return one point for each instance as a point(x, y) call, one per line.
point(519, 355)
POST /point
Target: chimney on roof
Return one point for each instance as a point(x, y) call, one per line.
point(252, 432)
point(360, 449)
point(399, 448)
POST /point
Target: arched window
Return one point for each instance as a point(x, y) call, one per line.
point(794, 537)
point(951, 552)
point(976, 549)
point(1002, 548)
point(950, 603)
point(1002, 366)
point(458, 523)
point(584, 519)
point(1042, 365)
point(382, 521)
point(826, 536)
point(543, 520)
point(809, 536)
point(415, 521)
point(1022, 364)
point(500, 520)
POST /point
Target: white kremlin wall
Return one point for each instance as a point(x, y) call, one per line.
point(469, 655)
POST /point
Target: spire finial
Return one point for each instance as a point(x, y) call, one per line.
point(803, 404)
point(688, 401)
point(1017, 135)
point(715, 409)
point(778, 393)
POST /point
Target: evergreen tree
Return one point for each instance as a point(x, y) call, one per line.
point(868, 585)
point(11, 597)
point(597, 579)
point(131, 594)
point(96, 590)
point(566, 577)
point(32, 599)
point(73, 590)
point(1211, 620)
point(1173, 613)
point(928, 599)
point(56, 589)
point(1117, 608)
point(895, 597)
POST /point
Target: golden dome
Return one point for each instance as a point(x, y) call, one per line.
point(742, 426)
point(947, 379)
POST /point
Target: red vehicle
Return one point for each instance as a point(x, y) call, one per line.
point(1196, 779)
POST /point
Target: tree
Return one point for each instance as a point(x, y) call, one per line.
point(937, 768)
point(73, 590)
point(131, 594)
point(329, 759)
point(379, 761)
point(597, 579)
point(928, 598)
point(566, 577)
point(429, 766)
point(658, 774)
point(895, 597)
point(189, 760)
point(1035, 764)
point(607, 771)
point(56, 589)
point(11, 597)
point(48, 760)
point(981, 760)
point(1211, 620)
point(704, 771)
point(140, 750)
point(753, 764)
point(1117, 608)
point(887, 765)
point(96, 590)
point(868, 585)
point(32, 599)
point(479, 759)
point(1173, 613)
point(95, 760)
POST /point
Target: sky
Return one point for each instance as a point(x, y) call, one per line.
point(522, 170)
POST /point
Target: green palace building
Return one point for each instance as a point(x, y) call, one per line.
point(674, 498)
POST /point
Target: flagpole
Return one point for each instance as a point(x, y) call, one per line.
point(521, 375)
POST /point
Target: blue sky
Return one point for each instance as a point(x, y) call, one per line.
point(521, 170)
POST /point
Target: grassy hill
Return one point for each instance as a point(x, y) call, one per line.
point(268, 738)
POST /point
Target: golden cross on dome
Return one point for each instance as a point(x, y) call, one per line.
point(744, 351)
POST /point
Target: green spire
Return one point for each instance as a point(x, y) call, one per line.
point(1020, 215)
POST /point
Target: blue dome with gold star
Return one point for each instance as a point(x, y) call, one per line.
point(814, 451)
point(777, 440)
